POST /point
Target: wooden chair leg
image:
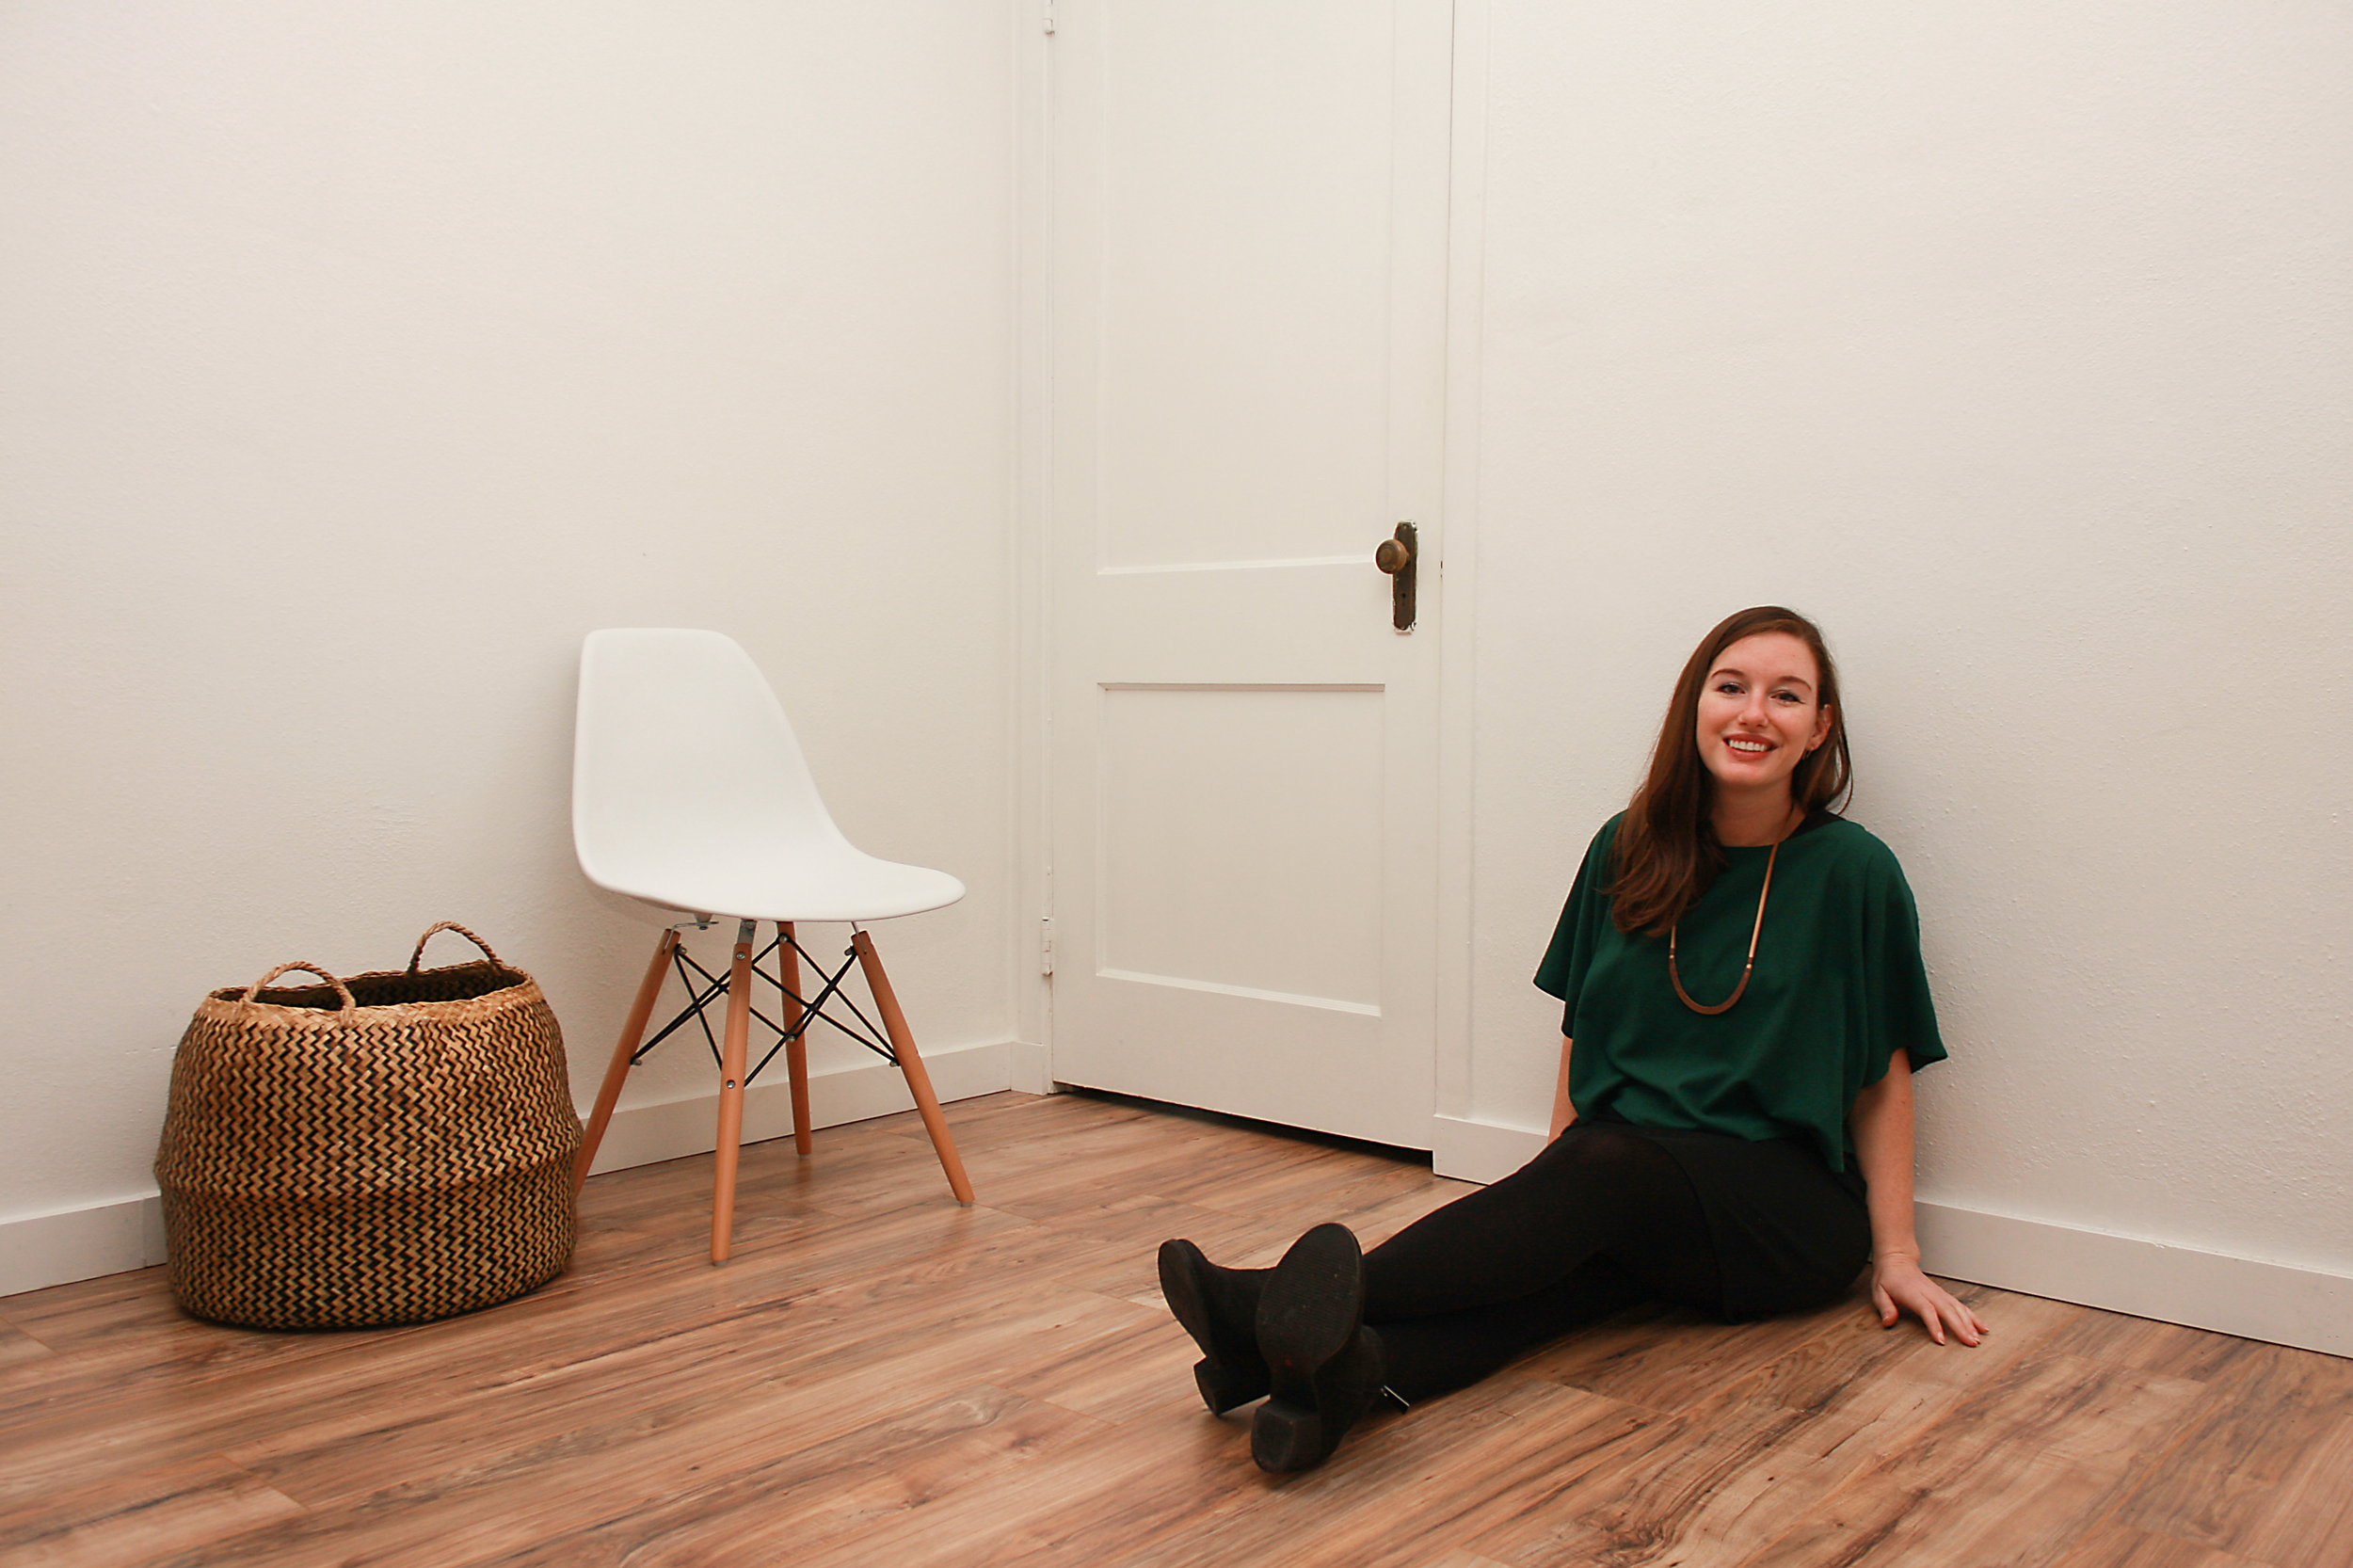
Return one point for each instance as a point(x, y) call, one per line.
point(731, 1097)
point(796, 1049)
point(632, 1032)
point(919, 1082)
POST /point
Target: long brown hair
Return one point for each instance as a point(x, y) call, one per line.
point(1667, 853)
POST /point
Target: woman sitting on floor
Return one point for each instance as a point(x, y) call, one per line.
point(1733, 1131)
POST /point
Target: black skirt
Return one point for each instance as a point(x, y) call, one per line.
point(1790, 1232)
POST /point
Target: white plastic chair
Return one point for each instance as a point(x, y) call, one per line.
point(690, 792)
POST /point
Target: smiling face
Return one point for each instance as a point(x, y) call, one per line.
point(1760, 712)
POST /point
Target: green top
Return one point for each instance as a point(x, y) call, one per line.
point(1838, 986)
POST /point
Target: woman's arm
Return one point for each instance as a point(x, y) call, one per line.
point(1563, 1112)
point(1882, 1126)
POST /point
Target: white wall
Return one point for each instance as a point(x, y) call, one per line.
point(359, 360)
point(2011, 340)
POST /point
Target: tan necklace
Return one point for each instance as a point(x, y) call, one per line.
point(1754, 932)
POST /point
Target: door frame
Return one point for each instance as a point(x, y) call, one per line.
point(1456, 1140)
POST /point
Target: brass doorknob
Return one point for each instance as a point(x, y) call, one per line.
point(1396, 557)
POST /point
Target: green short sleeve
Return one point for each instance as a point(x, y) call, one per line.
point(1571, 952)
point(1902, 1013)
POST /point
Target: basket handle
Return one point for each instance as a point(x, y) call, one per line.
point(341, 990)
point(416, 957)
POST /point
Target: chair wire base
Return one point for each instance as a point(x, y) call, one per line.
point(713, 988)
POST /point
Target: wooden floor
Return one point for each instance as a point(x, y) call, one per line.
point(884, 1379)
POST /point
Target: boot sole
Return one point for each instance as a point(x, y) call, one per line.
point(1310, 1308)
point(1310, 1311)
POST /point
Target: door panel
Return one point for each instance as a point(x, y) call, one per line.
point(1248, 314)
point(1236, 826)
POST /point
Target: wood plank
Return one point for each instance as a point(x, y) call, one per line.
point(1851, 1345)
point(505, 1497)
point(775, 1512)
point(673, 1319)
point(1629, 1358)
point(2307, 1522)
point(17, 1346)
point(1118, 1377)
point(2142, 1343)
point(1172, 1164)
point(124, 1337)
point(2016, 1470)
point(1411, 1484)
point(2264, 1468)
point(1307, 1184)
point(1144, 1502)
point(1670, 1360)
point(1823, 1399)
point(341, 1455)
point(1114, 1248)
point(2111, 1545)
point(1086, 1504)
point(74, 1317)
point(1722, 1482)
point(140, 1517)
point(593, 1485)
point(114, 1359)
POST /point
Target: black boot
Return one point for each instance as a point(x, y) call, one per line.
point(1219, 1307)
point(1325, 1368)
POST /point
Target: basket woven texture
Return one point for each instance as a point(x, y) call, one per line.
point(389, 1148)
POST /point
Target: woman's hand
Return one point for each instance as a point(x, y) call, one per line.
point(1899, 1286)
point(1881, 1120)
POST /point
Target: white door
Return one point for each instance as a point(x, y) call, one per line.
point(1248, 310)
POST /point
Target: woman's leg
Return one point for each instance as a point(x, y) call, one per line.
point(1597, 1191)
point(1425, 1357)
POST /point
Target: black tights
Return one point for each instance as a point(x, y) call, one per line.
point(1601, 1219)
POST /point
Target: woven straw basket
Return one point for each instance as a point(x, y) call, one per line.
point(384, 1149)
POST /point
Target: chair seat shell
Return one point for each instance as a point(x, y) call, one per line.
point(690, 792)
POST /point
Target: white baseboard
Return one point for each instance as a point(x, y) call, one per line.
point(38, 1250)
point(1480, 1151)
point(2309, 1308)
point(41, 1249)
